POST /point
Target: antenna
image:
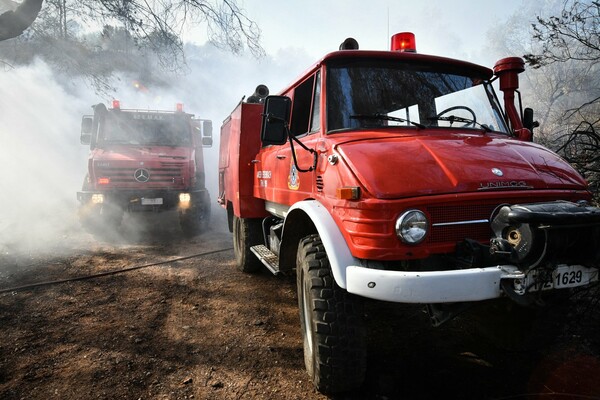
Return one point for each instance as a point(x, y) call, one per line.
point(388, 27)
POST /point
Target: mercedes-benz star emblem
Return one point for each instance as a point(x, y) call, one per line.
point(141, 175)
point(497, 172)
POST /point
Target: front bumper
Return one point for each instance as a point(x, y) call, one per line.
point(463, 285)
point(135, 200)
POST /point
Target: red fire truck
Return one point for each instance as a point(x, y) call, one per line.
point(144, 160)
point(402, 177)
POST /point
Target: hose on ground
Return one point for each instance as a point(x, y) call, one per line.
point(119, 271)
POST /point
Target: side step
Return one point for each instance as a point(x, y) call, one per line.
point(267, 257)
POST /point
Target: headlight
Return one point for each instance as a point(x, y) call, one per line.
point(97, 198)
point(412, 226)
point(184, 198)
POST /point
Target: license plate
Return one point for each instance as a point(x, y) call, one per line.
point(152, 202)
point(564, 276)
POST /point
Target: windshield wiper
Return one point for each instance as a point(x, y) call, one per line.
point(386, 118)
point(453, 118)
point(113, 141)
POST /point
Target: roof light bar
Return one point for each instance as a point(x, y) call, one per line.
point(404, 42)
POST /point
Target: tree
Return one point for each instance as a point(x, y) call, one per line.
point(157, 23)
point(163, 22)
point(142, 38)
point(570, 41)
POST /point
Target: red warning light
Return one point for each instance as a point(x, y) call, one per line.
point(179, 107)
point(404, 41)
point(116, 104)
point(103, 181)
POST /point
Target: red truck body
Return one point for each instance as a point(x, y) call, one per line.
point(144, 160)
point(400, 177)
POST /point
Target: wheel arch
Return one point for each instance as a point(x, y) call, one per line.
point(305, 218)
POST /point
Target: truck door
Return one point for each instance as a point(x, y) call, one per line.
point(290, 183)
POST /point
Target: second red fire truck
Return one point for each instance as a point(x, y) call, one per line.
point(144, 160)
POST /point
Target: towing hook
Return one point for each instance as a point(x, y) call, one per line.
point(502, 247)
point(525, 299)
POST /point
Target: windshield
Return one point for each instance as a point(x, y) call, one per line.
point(145, 129)
point(383, 93)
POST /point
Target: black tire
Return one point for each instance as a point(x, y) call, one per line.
point(247, 232)
point(332, 323)
point(195, 220)
point(189, 222)
point(100, 219)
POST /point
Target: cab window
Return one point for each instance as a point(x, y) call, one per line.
point(301, 108)
point(315, 123)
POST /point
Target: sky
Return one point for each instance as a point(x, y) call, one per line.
point(452, 28)
point(42, 163)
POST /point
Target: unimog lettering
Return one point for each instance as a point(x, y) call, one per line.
point(503, 184)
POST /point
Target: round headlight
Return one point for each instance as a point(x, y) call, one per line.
point(412, 226)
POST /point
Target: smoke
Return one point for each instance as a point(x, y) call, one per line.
point(40, 159)
point(43, 164)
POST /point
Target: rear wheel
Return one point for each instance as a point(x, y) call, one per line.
point(247, 232)
point(332, 323)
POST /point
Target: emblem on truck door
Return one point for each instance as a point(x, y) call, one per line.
point(497, 172)
point(293, 178)
point(141, 175)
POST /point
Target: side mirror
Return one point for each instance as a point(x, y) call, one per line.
point(87, 123)
point(207, 141)
point(276, 116)
point(207, 128)
point(528, 121)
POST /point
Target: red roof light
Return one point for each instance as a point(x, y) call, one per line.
point(404, 41)
point(116, 104)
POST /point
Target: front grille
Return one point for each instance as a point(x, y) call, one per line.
point(459, 213)
point(168, 173)
point(457, 233)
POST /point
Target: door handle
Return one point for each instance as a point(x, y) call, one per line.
point(281, 157)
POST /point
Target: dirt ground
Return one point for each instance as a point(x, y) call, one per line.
point(199, 329)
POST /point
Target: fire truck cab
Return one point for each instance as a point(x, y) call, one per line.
point(144, 160)
point(401, 177)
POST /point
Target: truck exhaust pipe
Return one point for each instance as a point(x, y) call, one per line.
point(259, 95)
point(508, 70)
point(349, 44)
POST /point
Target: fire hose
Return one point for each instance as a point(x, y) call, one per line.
point(107, 273)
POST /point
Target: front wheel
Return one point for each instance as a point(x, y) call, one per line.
point(332, 323)
point(195, 220)
point(100, 219)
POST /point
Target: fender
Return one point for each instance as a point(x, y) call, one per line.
point(335, 245)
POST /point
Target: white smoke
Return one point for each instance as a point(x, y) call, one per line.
point(40, 158)
point(43, 164)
